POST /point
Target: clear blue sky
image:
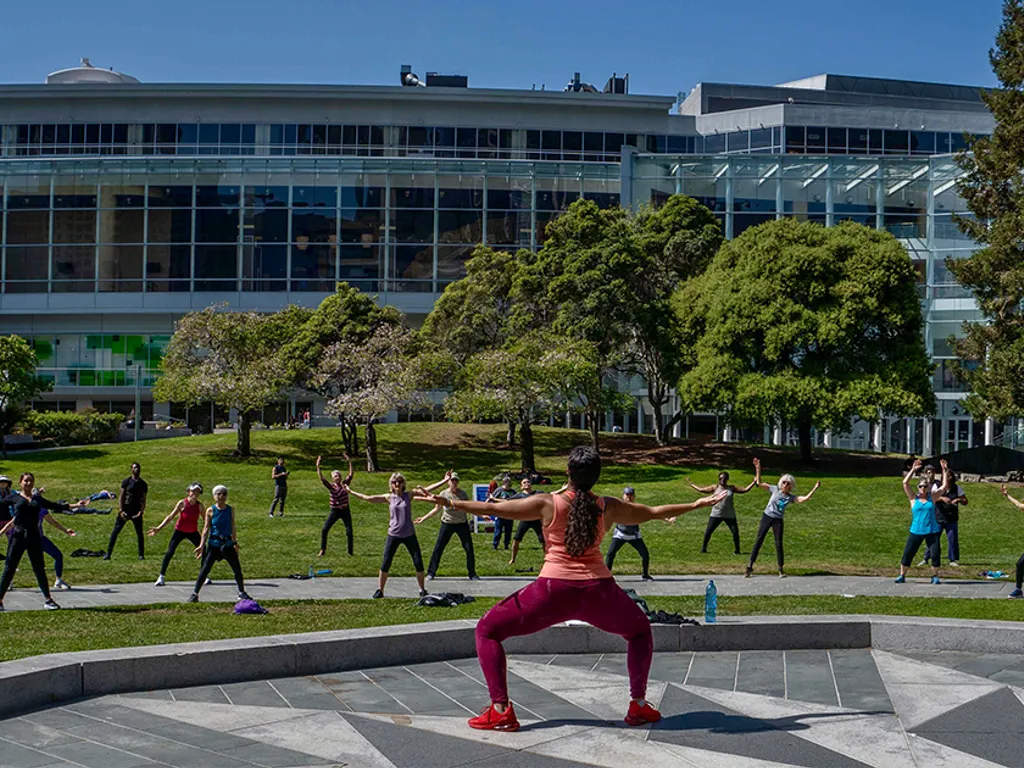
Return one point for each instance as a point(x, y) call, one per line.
point(665, 45)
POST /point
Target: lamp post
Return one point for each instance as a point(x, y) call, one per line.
point(138, 398)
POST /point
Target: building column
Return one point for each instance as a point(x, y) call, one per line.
point(639, 417)
point(909, 433)
point(767, 435)
point(777, 435)
point(877, 436)
point(727, 434)
point(990, 431)
point(568, 419)
point(625, 421)
point(827, 439)
point(609, 421)
point(926, 449)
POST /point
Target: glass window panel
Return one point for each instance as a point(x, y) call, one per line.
point(248, 133)
point(209, 133)
point(737, 141)
point(572, 140)
point(27, 269)
point(465, 138)
point(290, 135)
point(412, 191)
point(28, 227)
point(875, 141)
point(507, 139)
point(264, 267)
point(444, 137)
point(168, 267)
point(460, 226)
point(361, 265)
point(74, 226)
point(760, 138)
point(451, 261)
point(906, 225)
point(922, 142)
point(896, 142)
point(334, 135)
point(27, 192)
point(679, 144)
point(312, 266)
point(957, 141)
point(126, 195)
point(170, 226)
point(363, 135)
point(216, 267)
point(92, 134)
point(63, 134)
point(557, 199)
point(533, 143)
point(74, 269)
point(265, 197)
point(836, 140)
point(815, 139)
point(120, 268)
point(366, 195)
point(362, 226)
point(176, 196)
point(317, 197)
point(188, 133)
point(487, 141)
point(943, 143)
point(714, 144)
point(217, 225)
point(413, 266)
point(460, 192)
point(508, 227)
point(122, 226)
point(593, 142)
point(413, 226)
point(317, 225)
point(74, 192)
point(231, 133)
point(214, 195)
point(858, 138)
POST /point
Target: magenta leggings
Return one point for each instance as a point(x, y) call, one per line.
point(546, 602)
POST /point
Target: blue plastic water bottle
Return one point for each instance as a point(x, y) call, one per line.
point(710, 603)
point(312, 573)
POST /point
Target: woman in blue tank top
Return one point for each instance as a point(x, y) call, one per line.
point(218, 542)
point(923, 526)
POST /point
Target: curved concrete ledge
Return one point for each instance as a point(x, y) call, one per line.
point(42, 680)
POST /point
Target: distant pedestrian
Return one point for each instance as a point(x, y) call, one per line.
point(629, 534)
point(337, 489)
point(280, 477)
point(131, 505)
point(947, 515)
point(722, 512)
point(502, 527)
point(525, 526)
point(782, 495)
point(219, 541)
point(186, 514)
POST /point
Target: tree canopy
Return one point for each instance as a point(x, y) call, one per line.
point(18, 382)
point(807, 325)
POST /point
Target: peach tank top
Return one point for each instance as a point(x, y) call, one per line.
point(557, 562)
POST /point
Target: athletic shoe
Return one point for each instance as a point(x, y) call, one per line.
point(746, 573)
point(61, 584)
point(782, 575)
point(430, 577)
point(647, 577)
point(159, 581)
point(423, 593)
point(208, 582)
point(49, 605)
point(935, 580)
point(271, 515)
point(474, 577)
point(1016, 593)
point(901, 579)
point(954, 564)
point(142, 557)
point(244, 596)
point(193, 598)
point(641, 714)
point(923, 563)
point(703, 551)
point(378, 594)
point(105, 557)
point(491, 719)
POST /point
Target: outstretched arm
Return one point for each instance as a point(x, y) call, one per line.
point(206, 530)
point(531, 508)
point(49, 518)
point(427, 516)
point(351, 471)
point(375, 499)
point(700, 488)
point(807, 497)
point(757, 475)
point(910, 476)
point(628, 513)
point(174, 513)
point(744, 489)
point(1009, 498)
point(947, 479)
point(443, 481)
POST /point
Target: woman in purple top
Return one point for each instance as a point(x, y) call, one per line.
point(400, 529)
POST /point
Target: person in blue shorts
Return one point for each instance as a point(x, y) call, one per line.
point(923, 526)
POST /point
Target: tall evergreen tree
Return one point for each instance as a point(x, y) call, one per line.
point(992, 352)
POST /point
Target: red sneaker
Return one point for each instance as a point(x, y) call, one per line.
point(491, 719)
point(641, 714)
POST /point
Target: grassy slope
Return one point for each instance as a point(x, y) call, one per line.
point(855, 524)
point(28, 633)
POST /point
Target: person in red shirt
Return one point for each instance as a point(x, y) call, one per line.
point(573, 584)
point(187, 511)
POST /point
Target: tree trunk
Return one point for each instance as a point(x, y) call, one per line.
point(510, 436)
point(804, 431)
point(3, 443)
point(659, 429)
point(244, 428)
point(594, 425)
point(526, 446)
point(372, 465)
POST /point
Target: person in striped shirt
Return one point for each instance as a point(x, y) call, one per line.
point(338, 490)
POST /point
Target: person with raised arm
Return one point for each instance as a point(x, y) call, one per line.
point(1017, 592)
point(186, 514)
point(573, 584)
point(452, 523)
point(923, 525)
point(782, 495)
point(724, 511)
point(338, 491)
point(400, 527)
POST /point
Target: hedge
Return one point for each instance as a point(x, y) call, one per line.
point(73, 428)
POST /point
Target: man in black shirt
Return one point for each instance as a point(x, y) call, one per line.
point(131, 504)
point(280, 476)
point(6, 495)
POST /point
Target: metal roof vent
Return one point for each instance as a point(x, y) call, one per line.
point(87, 73)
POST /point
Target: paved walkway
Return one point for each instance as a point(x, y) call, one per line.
point(82, 596)
point(765, 709)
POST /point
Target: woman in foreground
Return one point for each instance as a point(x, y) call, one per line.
point(573, 584)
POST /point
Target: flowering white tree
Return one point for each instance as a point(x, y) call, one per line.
point(373, 378)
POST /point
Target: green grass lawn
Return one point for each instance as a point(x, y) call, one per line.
point(29, 633)
point(857, 522)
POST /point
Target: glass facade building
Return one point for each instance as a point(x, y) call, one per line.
point(123, 208)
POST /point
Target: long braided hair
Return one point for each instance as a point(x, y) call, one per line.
point(581, 528)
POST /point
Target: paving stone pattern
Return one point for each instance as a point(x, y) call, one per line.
point(84, 596)
point(759, 709)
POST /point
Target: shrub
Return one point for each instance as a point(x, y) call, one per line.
point(74, 428)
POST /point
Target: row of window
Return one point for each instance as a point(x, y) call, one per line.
point(99, 351)
point(436, 141)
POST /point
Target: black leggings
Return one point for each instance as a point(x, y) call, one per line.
point(637, 544)
point(1020, 571)
point(212, 555)
point(119, 523)
point(773, 524)
point(345, 515)
point(391, 546)
point(444, 535)
point(529, 525)
point(713, 523)
point(18, 544)
point(176, 538)
point(914, 541)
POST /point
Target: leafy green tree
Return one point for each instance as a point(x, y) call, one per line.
point(373, 378)
point(18, 383)
point(993, 188)
point(233, 359)
point(347, 318)
point(809, 325)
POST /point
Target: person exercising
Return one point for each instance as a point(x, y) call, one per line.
point(724, 511)
point(525, 526)
point(629, 534)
